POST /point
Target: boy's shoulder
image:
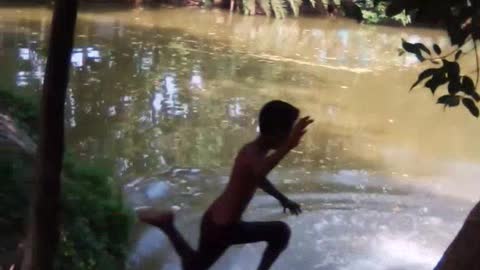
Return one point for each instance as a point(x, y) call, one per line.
point(247, 154)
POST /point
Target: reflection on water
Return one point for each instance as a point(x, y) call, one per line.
point(168, 96)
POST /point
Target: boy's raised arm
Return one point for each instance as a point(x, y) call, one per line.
point(262, 168)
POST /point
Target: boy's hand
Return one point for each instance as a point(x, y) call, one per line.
point(292, 206)
point(298, 131)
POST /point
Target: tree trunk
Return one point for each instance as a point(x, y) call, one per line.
point(462, 254)
point(44, 228)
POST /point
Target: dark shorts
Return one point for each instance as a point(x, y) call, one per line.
point(215, 240)
point(222, 236)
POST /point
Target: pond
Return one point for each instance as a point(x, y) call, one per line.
point(167, 96)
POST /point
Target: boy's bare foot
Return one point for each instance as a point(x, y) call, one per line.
point(160, 219)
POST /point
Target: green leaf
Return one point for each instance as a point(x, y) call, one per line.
point(437, 49)
point(453, 69)
point(454, 86)
point(437, 80)
point(416, 49)
point(468, 87)
point(422, 47)
point(471, 106)
point(425, 74)
point(420, 56)
point(458, 54)
point(449, 100)
point(409, 47)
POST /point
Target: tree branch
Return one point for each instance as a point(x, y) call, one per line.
point(476, 59)
point(444, 56)
point(452, 52)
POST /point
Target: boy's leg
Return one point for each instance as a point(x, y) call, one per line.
point(211, 244)
point(205, 257)
point(208, 252)
point(164, 221)
point(275, 233)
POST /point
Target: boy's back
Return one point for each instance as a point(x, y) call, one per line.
point(230, 205)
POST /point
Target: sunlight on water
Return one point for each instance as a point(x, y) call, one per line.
point(167, 97)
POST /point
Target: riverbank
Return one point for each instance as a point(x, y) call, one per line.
point(343, 9)
point(96, 224)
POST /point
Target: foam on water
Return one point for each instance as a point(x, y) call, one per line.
point(369, 234)
point(395, 252)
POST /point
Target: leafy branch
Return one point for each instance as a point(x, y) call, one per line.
point(461, 88)
point(462, 22)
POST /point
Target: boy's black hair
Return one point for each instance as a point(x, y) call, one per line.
point(277, 117)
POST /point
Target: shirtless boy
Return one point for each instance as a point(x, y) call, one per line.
point(221, 224)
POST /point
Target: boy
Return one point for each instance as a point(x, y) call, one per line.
point(221, 224)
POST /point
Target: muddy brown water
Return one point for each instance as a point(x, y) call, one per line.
point(167, 96)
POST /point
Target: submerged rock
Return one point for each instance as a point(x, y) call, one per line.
point(14, 139)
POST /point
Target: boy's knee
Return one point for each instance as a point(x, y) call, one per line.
point(283, 234)
point(285, 230)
